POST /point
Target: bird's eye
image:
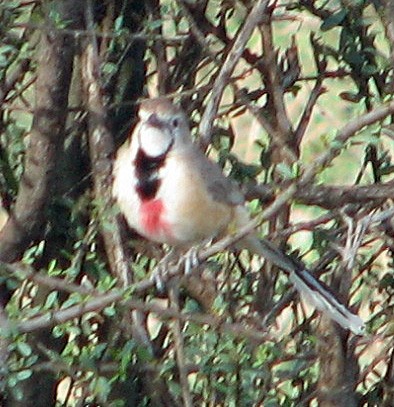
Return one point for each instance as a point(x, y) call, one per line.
point(175, 123)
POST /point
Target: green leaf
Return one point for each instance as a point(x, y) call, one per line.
point(101, 387)
point(369, 70)
point(74, 298)
point(154, 24)
point(110, 311)
point(51, 299)
point(334, 20)
point(24, 374)
point(286, 171)
point(24, 349)
point(118, 23)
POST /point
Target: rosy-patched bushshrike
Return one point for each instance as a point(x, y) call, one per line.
point(170, 192)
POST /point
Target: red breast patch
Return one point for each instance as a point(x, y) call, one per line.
point(152, 218)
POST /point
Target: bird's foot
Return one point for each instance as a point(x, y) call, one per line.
point(189, 260)
point(160, 273)
point(186, 263)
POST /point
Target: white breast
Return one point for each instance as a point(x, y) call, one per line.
point(124, 183)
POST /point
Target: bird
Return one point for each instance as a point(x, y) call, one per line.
point(171, 193)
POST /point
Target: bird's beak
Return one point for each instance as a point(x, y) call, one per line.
point(154, 121)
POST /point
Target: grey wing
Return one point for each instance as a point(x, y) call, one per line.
point(223, 189)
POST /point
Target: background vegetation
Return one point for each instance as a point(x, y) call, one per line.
point(293, 99)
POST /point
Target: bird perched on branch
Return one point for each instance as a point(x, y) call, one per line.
point(170, 192)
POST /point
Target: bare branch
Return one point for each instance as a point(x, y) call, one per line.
point(328, 197)
point(317, 91)
point(254, 17)
point(276, 104)
point(101, 151)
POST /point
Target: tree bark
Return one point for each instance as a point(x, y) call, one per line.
point(27, 218)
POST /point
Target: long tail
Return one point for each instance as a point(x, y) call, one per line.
point(307, 285)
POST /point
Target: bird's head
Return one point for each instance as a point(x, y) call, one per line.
point(163, 127)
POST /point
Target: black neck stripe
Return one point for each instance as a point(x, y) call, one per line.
point(147, 172)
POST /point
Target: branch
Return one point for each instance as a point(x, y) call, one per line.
point(13, 78)
point(343, 136)
point(254, 18)
point(25, 224)
point(102, 301)
point(179, 344)
point(99, 302)
point(54, 67)
point(325, 158)
point(305, 119)
point(327, 197)
point(101, 150)
point(273, 83)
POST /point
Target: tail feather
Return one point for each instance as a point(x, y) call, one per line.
point(307, 285)
point(325, 301)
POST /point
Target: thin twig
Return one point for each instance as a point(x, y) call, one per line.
point(179, 349)
point(13, 78)
point(305, 119)
point(253, 19)
point(25, 272)
point(100, 302)
point(97, 304)
point(80, 33)
point(343, 136)
point(277, 109)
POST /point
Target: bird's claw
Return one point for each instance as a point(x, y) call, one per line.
point(190, 260)
point(160, 272)
point(159, 276)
